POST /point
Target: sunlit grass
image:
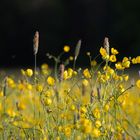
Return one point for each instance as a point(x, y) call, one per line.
point(100, 101)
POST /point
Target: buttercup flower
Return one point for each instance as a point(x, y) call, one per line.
point(103, 52)
point(50, 81)
point(138, 83)
point(71, 58)
point(113, 58)
point(86, 73)
point(66, 48)
point(96, 133)
point(29, 72)
point(93, 63)
point(119, 66)
point(114, 51)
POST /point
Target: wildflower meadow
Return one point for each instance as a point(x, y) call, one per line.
point(100, 101)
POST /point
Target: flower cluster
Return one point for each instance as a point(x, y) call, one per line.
point(101, 102)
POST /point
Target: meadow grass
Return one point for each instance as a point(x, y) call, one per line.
point(99, 102)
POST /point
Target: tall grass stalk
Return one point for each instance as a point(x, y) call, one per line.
point(4, 92)
point(35, 49)
point(77, 51)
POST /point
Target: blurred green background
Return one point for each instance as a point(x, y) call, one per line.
point(62, 22)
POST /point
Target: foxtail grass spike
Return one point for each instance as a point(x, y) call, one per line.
point(61, 72)
point(106, 44)
point(35, 49)
point(123, 136)
point(83, 90)
point(99, 92)
point(77, 49)
point(36, 42)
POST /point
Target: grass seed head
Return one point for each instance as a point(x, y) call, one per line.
point(77, 49)
point(106, 44)
point(36, 42)
point(61, 72)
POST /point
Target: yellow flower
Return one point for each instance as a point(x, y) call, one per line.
point(83, 110)
point(68, 73)
point(125, 59)
point(138, 59)
point(67, 131)
point(45, 72)
point(93, 63)
point(48, 101)
point(10, 82)
point(113, 58)
point(126, 77)
point(11, 112)
point(44, 66)
point(21, 106)
point(96, 133)
point(85, 82)
point(106, 108)
point(1, 107)
point(1, 93)
point(114, 51)
point(87, 128)
point(29, 72)
point(21, 86)
point(60, 128)
point(104, 53)
point(96, 113)
point(39, 88)
point(78, 137)
point(65, 75)
point(126, 64)
point(72, 107)
point(29, 86)
point(23, 72)
point(74, 73)
point(138, 83)
point(119, 128)
point(119, 66)
point(51, 81)
point(121, 88)
point(110, 71)
point(98, 124)
point(86, 73)
point(66, 48)
point(86, 125)
point(134, 61)
point(44, 69)
point(71, 58)
point(48, 93)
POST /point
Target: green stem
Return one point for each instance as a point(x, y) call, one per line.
point(56, 65)
point(35, 92)
point(4, 91)
point(74, 63)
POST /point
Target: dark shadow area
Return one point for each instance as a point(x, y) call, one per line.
point(65, 22)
